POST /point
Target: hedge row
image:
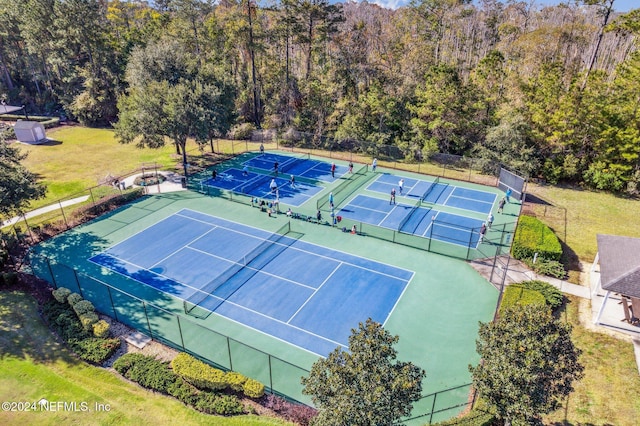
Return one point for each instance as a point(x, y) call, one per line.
point(205, 377)
point(84, 310)
point(532, 292)
point(515, 295)
point(552, 295)
point(532, 236)
point(156, 375)
point(65, 322)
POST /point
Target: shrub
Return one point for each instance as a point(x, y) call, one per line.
point(552, 295)
point(198, 373)
point(235, 380)
point(9, 278)
point(83, 307)
point(74, 298)
point(253, 388)
point(152, 374)
point(94, 349)
point(224, 405)
point(101, 329)
point(551, 268)
point(126, 361)
point(515, 295)
point(183, 392)
point(242, 131)
point(532, 236)
point(69, 327)
point(297, 413)
point(61, 294)
point(87, 320)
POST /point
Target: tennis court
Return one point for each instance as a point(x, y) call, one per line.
point(299, 166)
point(414, 219)
point(146, 262)
point(307, 295)
point(257, 185)
point(435, 192)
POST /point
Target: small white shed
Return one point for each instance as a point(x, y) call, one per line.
point(29, 132)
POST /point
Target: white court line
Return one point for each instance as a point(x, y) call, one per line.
point(314, 293)
point(302, 250)
point(473, 199)
point(252, 268)
point(398, 299)
point(177, 250)
point(215, 297)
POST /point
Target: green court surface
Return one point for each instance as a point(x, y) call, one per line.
point(436, 317)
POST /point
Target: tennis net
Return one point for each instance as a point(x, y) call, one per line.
point(347, 187)
point(289, 164)
point(254, 183)
point(407, 217)
point(256, 260)
point(430, 189)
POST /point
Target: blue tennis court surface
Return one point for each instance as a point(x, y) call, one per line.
point(299, 166)
point(304, 294)
point(440, 193)
point(257, 184)
point(412, 219)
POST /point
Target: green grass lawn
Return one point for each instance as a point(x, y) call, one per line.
point(80, 157)
point(609, 393)
point(589, 213)
point(34, 366)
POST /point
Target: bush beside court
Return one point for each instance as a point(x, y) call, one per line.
point(538, 247)
point(36, 365)
point(202, 387)
point(77, 330)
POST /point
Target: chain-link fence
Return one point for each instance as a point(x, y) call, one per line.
point(181, 332)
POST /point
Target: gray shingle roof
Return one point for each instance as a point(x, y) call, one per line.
point(620, 264)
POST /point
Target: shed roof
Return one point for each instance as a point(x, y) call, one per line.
point(619, 264)
point(8, 109)
point(22, 124)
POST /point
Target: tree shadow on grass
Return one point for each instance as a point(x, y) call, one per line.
point(23, 333)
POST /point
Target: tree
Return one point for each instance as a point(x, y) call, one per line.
point(160, 110)
point(509, 143)
point(18, 186)
point(171, 97)
point(364, 386)
point(529, 363)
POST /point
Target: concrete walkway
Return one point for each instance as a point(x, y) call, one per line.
point(519, 272)
point(171, 184)
point(46, 209)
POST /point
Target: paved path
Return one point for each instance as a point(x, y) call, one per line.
point(173, 183)
point(46, 209)
point(519, 272)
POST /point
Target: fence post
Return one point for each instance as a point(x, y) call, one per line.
point(433, 407)
point(229, 351)
point(75, 274)
point(93, 200)
point(63, 216)
point(24, 216)
point(180, 330)
point(270, 374)
point(144, 306)
point(113, 306)
point(53, 277)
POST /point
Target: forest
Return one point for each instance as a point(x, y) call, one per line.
point(551, 92)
